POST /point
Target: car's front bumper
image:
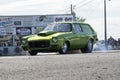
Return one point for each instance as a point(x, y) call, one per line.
point(43, 45)
point(51, 48)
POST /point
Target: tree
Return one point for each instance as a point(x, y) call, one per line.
point(80, 19)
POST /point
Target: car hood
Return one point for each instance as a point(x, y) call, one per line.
point(46, 35)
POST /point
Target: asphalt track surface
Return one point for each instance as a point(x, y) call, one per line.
point(103, 65)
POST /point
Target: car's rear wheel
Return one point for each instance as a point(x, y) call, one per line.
point(88, 48)
point(32, 53)
point(64, 48)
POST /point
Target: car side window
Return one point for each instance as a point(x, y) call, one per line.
point(77, 28)
point(63, 27)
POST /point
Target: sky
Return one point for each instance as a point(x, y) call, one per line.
point(91, 10)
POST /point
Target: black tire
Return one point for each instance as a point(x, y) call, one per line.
point(64, 48)
point(88, 48)
point(33, 53)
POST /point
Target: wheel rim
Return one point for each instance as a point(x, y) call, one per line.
point(64, 48)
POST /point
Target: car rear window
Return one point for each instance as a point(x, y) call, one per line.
point(86, 28)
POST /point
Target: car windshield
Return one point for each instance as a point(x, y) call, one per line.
point(59, 27)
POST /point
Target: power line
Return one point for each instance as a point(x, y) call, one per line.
point(84, 4)
point(67, 9)
point(91, 8)
point(80, 4)
point(94, 8)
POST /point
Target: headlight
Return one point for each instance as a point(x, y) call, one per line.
point(23, 41)
point(54, 39)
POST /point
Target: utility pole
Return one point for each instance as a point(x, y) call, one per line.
point(72, 12)
point(71, 9)
point(105, 20)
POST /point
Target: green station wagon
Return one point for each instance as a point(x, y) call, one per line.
point(61, 37)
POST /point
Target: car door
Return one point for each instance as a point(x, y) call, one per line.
point(76, 36)
point(82, 36)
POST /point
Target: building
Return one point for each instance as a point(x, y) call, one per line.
point(12, 28)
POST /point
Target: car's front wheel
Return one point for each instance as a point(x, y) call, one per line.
point(88, 48)
point(64, 48)
point(32, 53)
